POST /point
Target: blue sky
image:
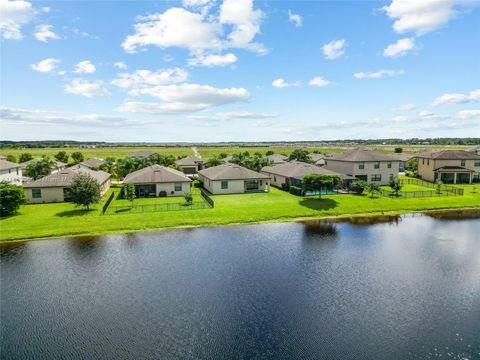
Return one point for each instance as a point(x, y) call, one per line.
point(232, 70)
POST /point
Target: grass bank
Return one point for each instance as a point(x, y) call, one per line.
point(63, 219)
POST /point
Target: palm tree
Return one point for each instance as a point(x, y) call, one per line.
point(40, 168)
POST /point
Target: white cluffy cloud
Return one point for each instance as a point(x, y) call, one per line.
point(400, 48)
point(85, 67)
point(378, 74)
point(143, 78)
point(473, 96)
point(120, 65)
point(46, 66)
point(184, 98)
point(281, 83)
point(468, 114)
point(197, 32)
point(319, 82)
point(334, 49)
point(44, 33)
point(13, 15)
point(86, 88)
point(295, 19)
point(421, 17)
point(213, 60)
point(225, 116)
point(408, 107)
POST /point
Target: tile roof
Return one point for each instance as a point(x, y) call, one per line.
point(449, 155)
point(298, 169)
point(361, 154)
point(64, 178)
point(155, 174)
point(231, 172)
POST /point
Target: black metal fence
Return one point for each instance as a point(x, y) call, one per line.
point(207, 198)
point(447, 188)
point(141, 208)
point(439, 190)
point(107, 203)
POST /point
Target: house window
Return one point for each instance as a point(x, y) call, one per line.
point(361, 166)
point(36, 193)
point(376, 164)
point(275, 178)
point(476, 178)
point(376, 177)
point(428, 161)
point(462, 162)
point(477, 163)
point(389, 164)
point(178, 186)
point(423, 161)
point(224, 184)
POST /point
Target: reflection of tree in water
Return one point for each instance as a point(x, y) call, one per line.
point(320, 229)
point(10, 250)
point(83, 244)
point(454, 214)
point(372, 220)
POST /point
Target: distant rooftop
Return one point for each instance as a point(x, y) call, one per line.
point(298, 169)
point(189, 161)
point(231, 172)
point(361, 154)
point(155, 174)
point(64, 178)
point(449, 155)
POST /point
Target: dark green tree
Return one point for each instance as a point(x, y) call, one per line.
point(77, 157)
point(62, 156)
point(395, 185)
point(372, 188)
point(85, 190)
point(25, 157)
point(398, 150)
point(11, 197)
point(188, 198)
point(319, 182)
point(299, 155)
point(214, 161)
point(11, 158)
point(40, 168)
point(269, 152)
point(358, 186)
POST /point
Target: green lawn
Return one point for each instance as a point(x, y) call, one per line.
point(63, 219)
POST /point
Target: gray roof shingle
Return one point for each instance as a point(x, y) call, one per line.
point(25, 164)
point(92, 163)
point(449, 155)
point(361, 154)
point(189, 161)
point(231, 172)
point(5, 165)
point(143, 154)
point(155, 174)
point(298, 169)
point(64, 178)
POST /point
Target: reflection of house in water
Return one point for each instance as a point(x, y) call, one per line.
point(320, 228)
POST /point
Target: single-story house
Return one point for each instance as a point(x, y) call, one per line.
point(190, 164)
point(10, 172)
point(291, 173)
point(59, 166)
point(364, 164)
point(143, 154)
point(233, 179)
point(449, 166)
point(92, 163)
point(277, 159)
point(157, 180)
point(318, 159)
point(55, 187)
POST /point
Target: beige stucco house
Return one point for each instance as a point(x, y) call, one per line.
point(291, 173)
point(364, 164)
point(233, 179)
point(449, 166)
point(55, 187)
point(157, 180)
point(190, 164)
point(10, 172)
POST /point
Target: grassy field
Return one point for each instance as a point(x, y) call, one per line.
point(63, 219)
point(205, 151)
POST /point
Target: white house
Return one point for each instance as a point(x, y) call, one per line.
point(10, 172)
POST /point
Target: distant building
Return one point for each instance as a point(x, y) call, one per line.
point(403, 158)
point(449, 166)
point(93, 163)
point(10, 172)
point(277, 159)
point(291, 173)
point(318, 159)
point(364, 164)
point(233, 179)
point(59, 166)
point(143, 154)
point(55, 187)
point(157, 180)
point(190, 164)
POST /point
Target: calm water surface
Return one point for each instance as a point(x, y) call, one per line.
point(408, 289)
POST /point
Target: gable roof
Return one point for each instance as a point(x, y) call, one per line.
point(143, 153)
point(404, 157)
point(361, 154)
point(25, 164)
point(231, 172)
point(92, 163)
point(298, 169)
point(277, 158)
point(155, 174)
point(449, 155)
point(317, 157)
point(189, 161)
point(64, 178)
point(5, 165)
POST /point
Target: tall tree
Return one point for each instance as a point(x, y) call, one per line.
point(319, 182)
point(62, 156)
point(396, 185)
point(299, 155)
point(11, 197)
point(85, 190)
point(25, 157)
point(129, 193)
point(372, 188)
point(40, 168)
point(77, 157)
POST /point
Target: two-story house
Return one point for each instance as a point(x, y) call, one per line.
point(364, 164)
point(449, 166)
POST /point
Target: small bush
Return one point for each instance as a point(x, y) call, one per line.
point(358, 186)
point(294, 190)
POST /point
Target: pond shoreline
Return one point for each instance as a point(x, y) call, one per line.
point(369, 217)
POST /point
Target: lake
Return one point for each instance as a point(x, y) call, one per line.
point(394, 288)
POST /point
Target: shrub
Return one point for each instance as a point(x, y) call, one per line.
point(295, 190)
point(25, 157)
point(188, 198)
point(85, 190)
point(358, 186)
point(11, 197)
